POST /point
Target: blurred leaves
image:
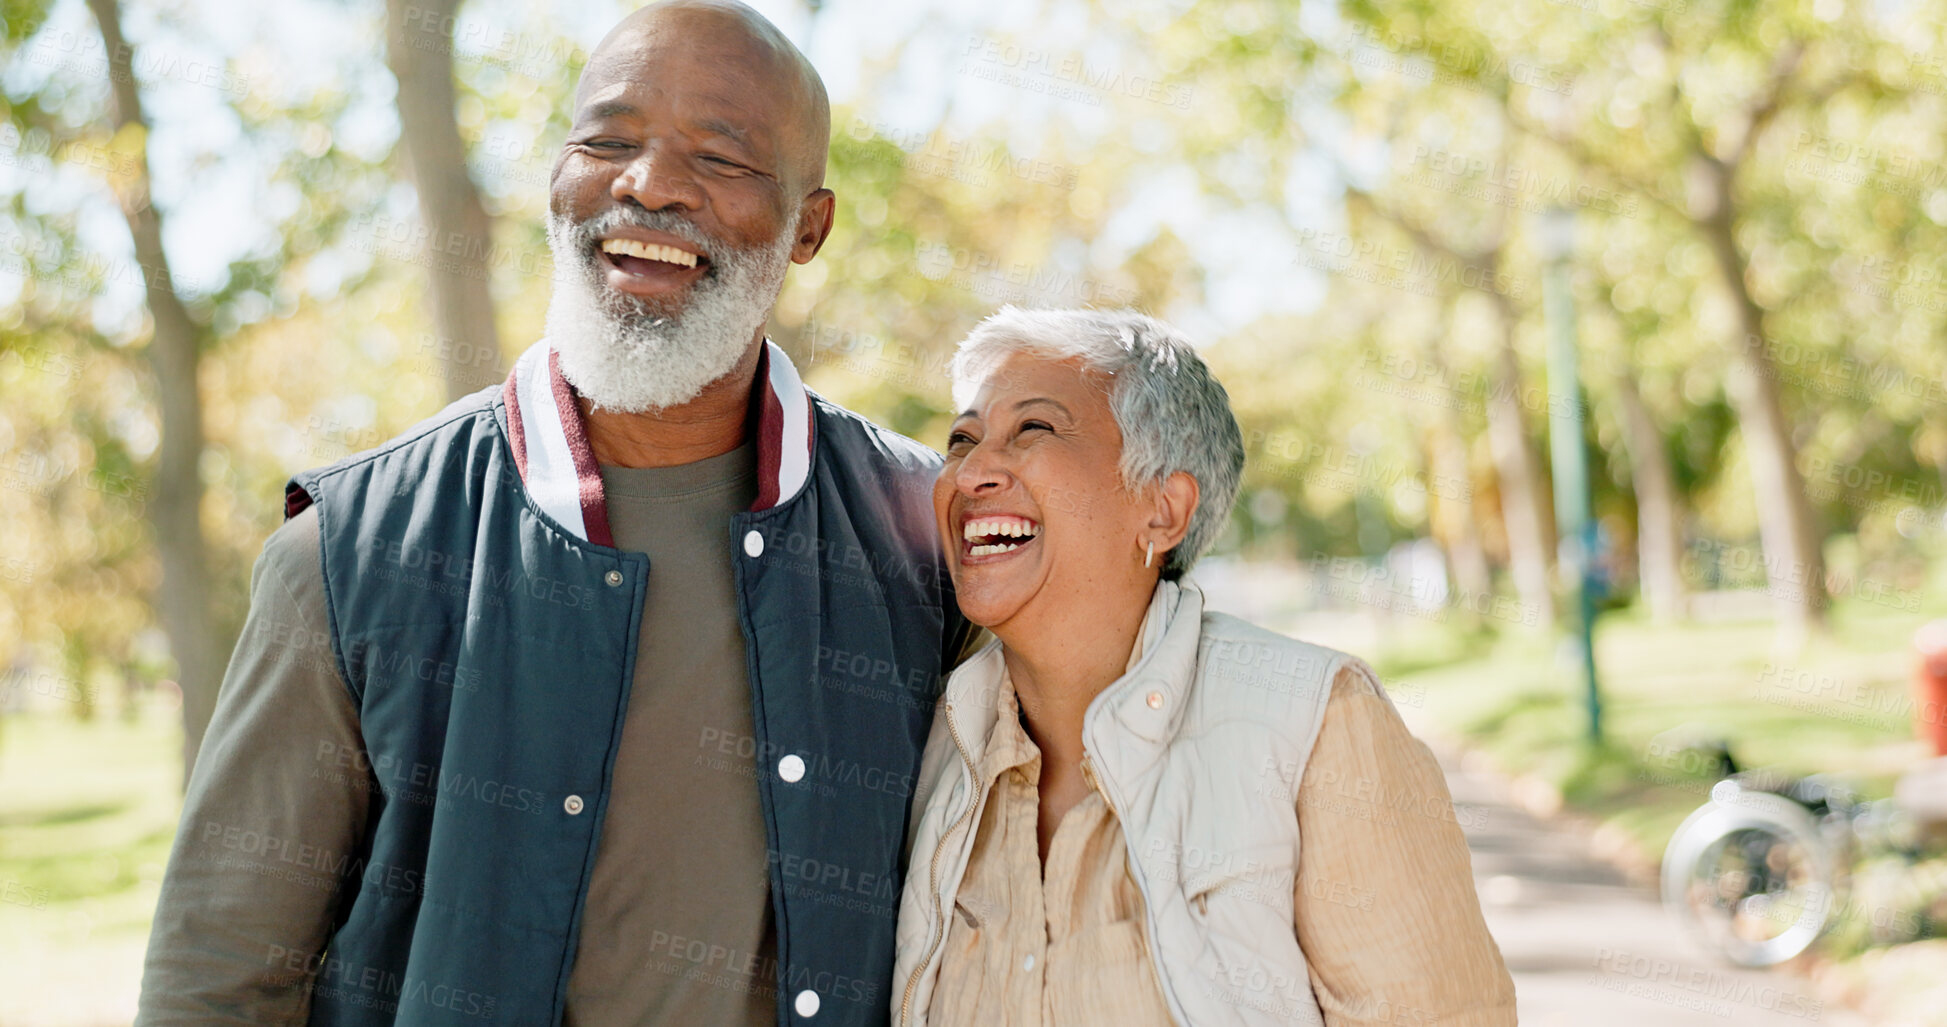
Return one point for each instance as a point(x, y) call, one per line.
point(1191, 158)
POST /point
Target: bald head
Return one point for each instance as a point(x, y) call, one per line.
point(754, 55)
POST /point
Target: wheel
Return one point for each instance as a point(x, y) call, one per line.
point(1749, 874)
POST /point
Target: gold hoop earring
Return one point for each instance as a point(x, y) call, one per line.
point(1151, 555)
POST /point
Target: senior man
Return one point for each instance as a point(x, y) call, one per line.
point(598, 697)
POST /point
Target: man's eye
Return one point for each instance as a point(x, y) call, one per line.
point(723, 162)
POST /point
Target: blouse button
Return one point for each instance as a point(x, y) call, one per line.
point(1155, 700)
point(1027, 964)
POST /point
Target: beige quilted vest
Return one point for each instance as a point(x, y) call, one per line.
point(1199, 749)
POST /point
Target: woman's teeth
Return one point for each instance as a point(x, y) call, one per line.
point(993, 530)
point(649, 251)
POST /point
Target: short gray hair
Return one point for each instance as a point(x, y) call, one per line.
point(1174, 415)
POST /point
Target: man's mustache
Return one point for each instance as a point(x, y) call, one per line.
point(587, 232)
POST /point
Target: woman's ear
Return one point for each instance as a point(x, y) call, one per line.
point(1176, 503)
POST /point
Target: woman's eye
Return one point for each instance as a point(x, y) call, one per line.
point(1042, 425)
point(959, 438)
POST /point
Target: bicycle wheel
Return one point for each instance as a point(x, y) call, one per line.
point(1749, 874)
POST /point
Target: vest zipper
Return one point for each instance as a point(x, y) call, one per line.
point(933, 874)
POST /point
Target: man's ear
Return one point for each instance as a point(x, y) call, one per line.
point(814, 225)
point(1176, 503)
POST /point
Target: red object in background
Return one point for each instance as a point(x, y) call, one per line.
point(1930, 685)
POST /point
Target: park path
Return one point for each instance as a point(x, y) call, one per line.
point(1591, 949)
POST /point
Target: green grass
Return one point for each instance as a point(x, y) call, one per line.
point(1839, 705)
point(87, 811)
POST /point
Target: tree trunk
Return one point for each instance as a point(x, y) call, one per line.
point(1659, 531)
point(1794, 565)
point(1453, 490)
point(458, 234)
point(1524, 509)
point(184, 600)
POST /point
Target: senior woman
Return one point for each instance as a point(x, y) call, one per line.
point(1132, 810)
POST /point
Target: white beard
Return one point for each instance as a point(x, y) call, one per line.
point(626, 355)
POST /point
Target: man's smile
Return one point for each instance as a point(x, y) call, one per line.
point(651, 263)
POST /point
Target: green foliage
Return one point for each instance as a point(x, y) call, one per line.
point(1395, 156)
point(20, 19)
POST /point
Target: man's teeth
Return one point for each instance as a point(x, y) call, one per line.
point(1008, 527)
point(649, 251)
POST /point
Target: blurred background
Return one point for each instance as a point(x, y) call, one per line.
point(1589, 354)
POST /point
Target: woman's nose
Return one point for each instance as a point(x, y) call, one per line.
point(980, 472)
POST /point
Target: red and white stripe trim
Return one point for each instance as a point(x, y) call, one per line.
point(558, 467)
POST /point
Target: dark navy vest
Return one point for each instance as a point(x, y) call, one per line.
point(490, 651)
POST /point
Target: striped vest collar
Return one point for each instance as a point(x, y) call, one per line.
point(558, 468)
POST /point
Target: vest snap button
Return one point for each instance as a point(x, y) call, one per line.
point(754, 546)
point(806, 1003)
point(613, 578)
point(1155, 700)
point(791, 768)
point(572, 804)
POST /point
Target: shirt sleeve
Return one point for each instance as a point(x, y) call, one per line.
point(1385, 906)
point(274, 816)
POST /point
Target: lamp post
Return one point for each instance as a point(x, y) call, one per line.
point(1575, 525)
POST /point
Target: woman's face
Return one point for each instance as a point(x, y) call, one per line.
point(1031, 507)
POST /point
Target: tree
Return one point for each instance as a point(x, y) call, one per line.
point(1674, 104)
point(1447, 442)
point(1659, 528)
point(175, 346)
point(1525, 508)
point(1709, 155)
point(458, 232)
